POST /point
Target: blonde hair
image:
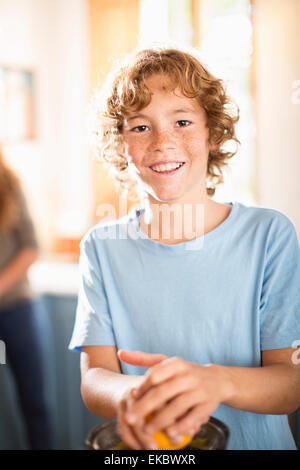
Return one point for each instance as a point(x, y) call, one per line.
point(9, 194)
point(125, 91)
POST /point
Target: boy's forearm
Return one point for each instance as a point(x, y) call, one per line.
point(103, 389)
point(273, 389)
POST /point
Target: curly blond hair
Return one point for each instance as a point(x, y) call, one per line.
point(125, 91)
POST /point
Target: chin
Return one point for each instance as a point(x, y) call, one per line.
point(167, 197)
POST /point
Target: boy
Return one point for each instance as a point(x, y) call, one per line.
point(211, 308)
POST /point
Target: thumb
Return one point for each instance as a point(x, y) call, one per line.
point(140, 358)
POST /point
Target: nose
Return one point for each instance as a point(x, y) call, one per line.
point(161, 140)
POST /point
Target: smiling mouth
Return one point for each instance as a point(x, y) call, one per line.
point(167, 172)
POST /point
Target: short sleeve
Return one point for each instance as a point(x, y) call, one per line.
point(280, 297)
point(24, 230)
point(93, 325)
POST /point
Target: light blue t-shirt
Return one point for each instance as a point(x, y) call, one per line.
point(221, 298)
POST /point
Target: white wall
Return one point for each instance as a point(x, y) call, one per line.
point(278, 127)
point(50, 38)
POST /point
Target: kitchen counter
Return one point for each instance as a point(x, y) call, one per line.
point(54, 276)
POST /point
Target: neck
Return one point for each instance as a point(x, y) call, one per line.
point(175, 222)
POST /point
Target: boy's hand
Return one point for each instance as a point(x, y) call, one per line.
point(185, 394)
point(134, 435)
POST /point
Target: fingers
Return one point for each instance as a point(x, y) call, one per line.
point(133, 436)
point(198, 426)
point(190, 423)
point(145, 439)
point(162, 372)
point(155, 398)
point(172, 411)
point(176, 392)
point(127, 435)
point(140, 358)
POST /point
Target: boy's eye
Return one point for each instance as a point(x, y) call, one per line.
point(183, 123)
point(139, 129)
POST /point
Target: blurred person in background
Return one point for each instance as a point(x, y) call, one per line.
point(18, 327)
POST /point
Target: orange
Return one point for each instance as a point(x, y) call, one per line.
point(164, 442)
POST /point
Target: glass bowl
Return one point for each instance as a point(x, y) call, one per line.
point(213, 435)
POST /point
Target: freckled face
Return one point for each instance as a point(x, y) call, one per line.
point(172, 128)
